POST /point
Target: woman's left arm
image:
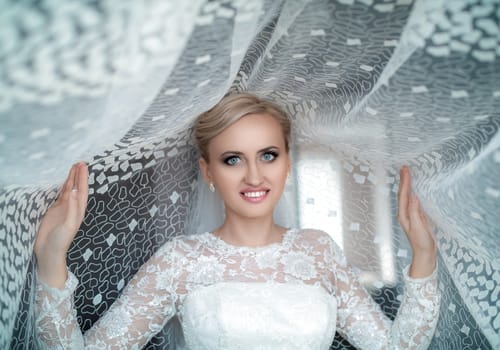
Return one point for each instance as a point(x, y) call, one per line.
point(361, 320)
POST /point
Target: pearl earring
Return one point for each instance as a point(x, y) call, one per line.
point(211, 187)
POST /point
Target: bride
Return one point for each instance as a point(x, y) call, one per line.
point(250, 283)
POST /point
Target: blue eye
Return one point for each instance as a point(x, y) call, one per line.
point(269, 156)
point(233, 160)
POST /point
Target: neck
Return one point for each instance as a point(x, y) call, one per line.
point(251, 232)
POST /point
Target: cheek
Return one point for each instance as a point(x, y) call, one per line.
point(226, 175)
point(279, 171)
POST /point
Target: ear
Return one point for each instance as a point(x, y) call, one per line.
point(205, 171)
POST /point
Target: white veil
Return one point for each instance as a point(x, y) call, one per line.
point(370, 85)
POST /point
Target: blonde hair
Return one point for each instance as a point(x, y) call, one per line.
point(229, 110)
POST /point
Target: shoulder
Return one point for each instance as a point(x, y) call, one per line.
point(314, 235)
point(172, 253)
point(323, 242)
point(192, 241)
point(184, 244)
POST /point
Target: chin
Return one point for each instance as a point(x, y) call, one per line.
point(255, 213)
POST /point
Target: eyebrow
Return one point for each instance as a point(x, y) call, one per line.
point(237, 153)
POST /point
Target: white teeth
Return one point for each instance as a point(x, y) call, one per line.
point(254, 194)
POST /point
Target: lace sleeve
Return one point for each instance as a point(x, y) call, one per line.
point(142, 310)
point(364, 325)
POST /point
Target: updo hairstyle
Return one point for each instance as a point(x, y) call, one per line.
point(229, 110)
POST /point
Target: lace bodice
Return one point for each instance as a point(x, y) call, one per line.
point(293, 294)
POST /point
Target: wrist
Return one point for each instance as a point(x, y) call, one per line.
point(52, 271)
point(422, 265)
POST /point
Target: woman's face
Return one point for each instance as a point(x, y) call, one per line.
point(248, 166)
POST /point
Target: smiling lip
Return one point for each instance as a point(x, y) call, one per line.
point(254, 195)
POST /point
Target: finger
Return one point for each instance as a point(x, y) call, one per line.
point(79, 176)
point(64, 185)
point(404, 197)
point(76, 188)
point(402, 174)
point(425, 221)
point(78, 194)
point(82, 186)
point(420, 225)
point(423, 217)
point(414, 213)
point(68, 185)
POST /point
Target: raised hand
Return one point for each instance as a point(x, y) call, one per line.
point(60, 225)
point(417, 229)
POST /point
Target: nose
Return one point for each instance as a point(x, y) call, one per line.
point(253, 176)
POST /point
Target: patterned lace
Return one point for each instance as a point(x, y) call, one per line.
point(304, 260)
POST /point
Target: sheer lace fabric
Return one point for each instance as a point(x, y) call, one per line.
point(292, 295)
point(377, 83)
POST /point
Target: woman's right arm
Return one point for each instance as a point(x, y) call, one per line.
point(56, 318)
point(142, 310)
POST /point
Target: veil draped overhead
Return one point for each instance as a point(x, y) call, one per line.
point(369, 84)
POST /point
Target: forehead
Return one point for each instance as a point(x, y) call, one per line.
point(250, 133)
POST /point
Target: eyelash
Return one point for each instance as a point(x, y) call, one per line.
point(228, 159)
point(274, 155)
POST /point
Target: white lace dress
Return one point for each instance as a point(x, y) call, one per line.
point(288, 295)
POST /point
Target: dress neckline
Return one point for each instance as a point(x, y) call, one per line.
point(220, 243)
